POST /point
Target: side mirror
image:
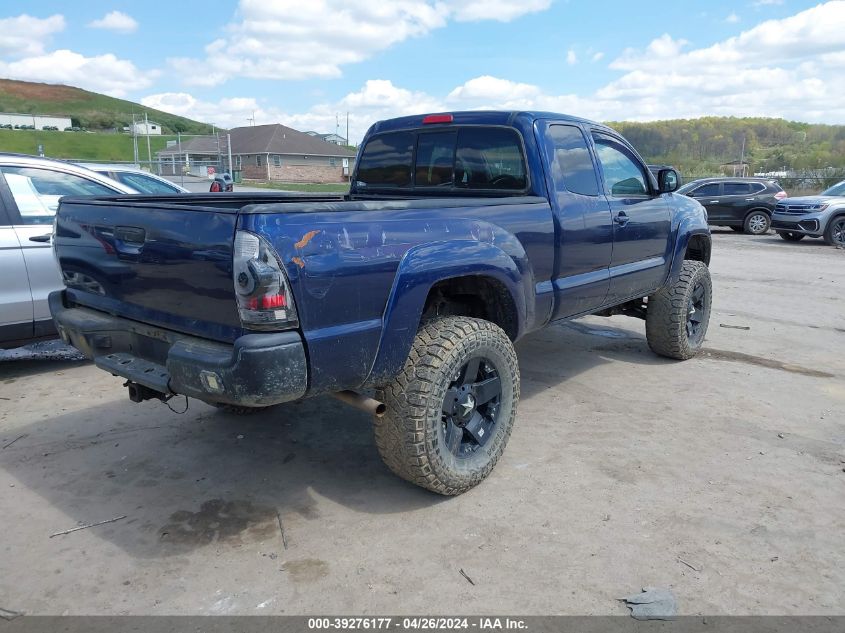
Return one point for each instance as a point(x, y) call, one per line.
point(667, 180)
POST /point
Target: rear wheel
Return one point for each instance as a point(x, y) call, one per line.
point(757, 223)
point(791, 236)
point(677, 316)
point(451, 409)
point(834, 234)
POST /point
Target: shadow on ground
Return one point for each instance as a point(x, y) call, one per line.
point(186, 481)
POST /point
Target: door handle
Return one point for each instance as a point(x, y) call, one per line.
point(750, 199)
point(621, 218)
point(713, 202)
point(41, 238)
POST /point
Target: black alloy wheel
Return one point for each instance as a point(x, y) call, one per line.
point(471, 407)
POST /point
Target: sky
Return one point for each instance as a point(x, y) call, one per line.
point(307, 63)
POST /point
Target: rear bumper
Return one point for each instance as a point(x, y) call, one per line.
point(256, 370)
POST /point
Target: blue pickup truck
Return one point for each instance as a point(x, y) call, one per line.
point(461, 233)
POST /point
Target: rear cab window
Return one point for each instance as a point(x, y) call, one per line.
point(454, 160)
point(572, 166)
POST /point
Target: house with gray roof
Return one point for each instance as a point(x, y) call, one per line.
point(270, 152)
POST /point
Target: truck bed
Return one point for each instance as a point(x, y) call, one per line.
point(352, 263)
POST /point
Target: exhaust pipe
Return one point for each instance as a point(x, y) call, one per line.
point(365, 403)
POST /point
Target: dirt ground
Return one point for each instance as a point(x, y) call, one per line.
point(720, 478)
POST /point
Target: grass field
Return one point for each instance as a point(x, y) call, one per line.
point(80, 145)
point(300, 186)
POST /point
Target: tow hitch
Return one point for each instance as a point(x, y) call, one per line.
point(139, 393)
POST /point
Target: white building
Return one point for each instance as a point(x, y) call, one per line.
point(147, 128)
point(37, 120)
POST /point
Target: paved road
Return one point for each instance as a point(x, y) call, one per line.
point(621, 466)
point(201, 185)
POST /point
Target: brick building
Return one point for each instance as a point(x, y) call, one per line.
point(268, 152)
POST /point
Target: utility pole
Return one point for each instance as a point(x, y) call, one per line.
point(135, 140)
point(229, 147)
point(742, 157)
point(179, 149)
point(347, 128)
point(251, 119)
point(219, 156)
point(147, 130)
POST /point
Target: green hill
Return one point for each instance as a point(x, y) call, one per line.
point(80, 145)
point(87, 109)
point(701, 146)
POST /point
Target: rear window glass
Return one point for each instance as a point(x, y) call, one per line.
point(737, 188)
point(489, 158)
point(144, 184)
point(435, 160)
point(386, 161)
point(465, 158)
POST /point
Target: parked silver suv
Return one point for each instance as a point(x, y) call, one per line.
point(30, 188)
point(813, 216)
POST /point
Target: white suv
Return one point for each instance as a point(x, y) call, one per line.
point(30, 188)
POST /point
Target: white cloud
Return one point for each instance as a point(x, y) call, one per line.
point(102, 73)
point(597, 56)
point(290, 39)
point(745, 75)
point(733, 18)
point(115, 21)
point(767, 3)
point(571, 57)
point(500, 10)
point(232, 112)
point(484, 90)
point(25, 35)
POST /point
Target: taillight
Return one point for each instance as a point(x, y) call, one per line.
point(264, 298)
point(780, 195)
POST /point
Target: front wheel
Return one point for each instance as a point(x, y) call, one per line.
point(757, 223)
point(791, 236)
point(677, 316)
point(834, 234)
point(451, 409)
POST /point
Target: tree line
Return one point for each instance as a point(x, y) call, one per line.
point(705, 146)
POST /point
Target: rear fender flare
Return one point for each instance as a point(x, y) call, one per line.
point(424, 266)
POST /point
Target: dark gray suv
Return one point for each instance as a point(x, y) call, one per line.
point(744, 204)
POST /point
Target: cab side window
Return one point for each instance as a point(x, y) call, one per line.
point(37, 191)
point(572, 166)
point(706, 191)
point(737, 189)
point(623, 173)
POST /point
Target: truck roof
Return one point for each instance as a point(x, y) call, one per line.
point(478, 117)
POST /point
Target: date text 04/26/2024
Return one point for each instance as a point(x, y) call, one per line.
point(416, 623)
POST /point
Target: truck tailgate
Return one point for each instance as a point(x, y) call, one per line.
point(160, 263)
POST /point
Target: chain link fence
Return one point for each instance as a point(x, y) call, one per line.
point(794, 183)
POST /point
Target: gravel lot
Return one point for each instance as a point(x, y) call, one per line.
point(720, 478)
